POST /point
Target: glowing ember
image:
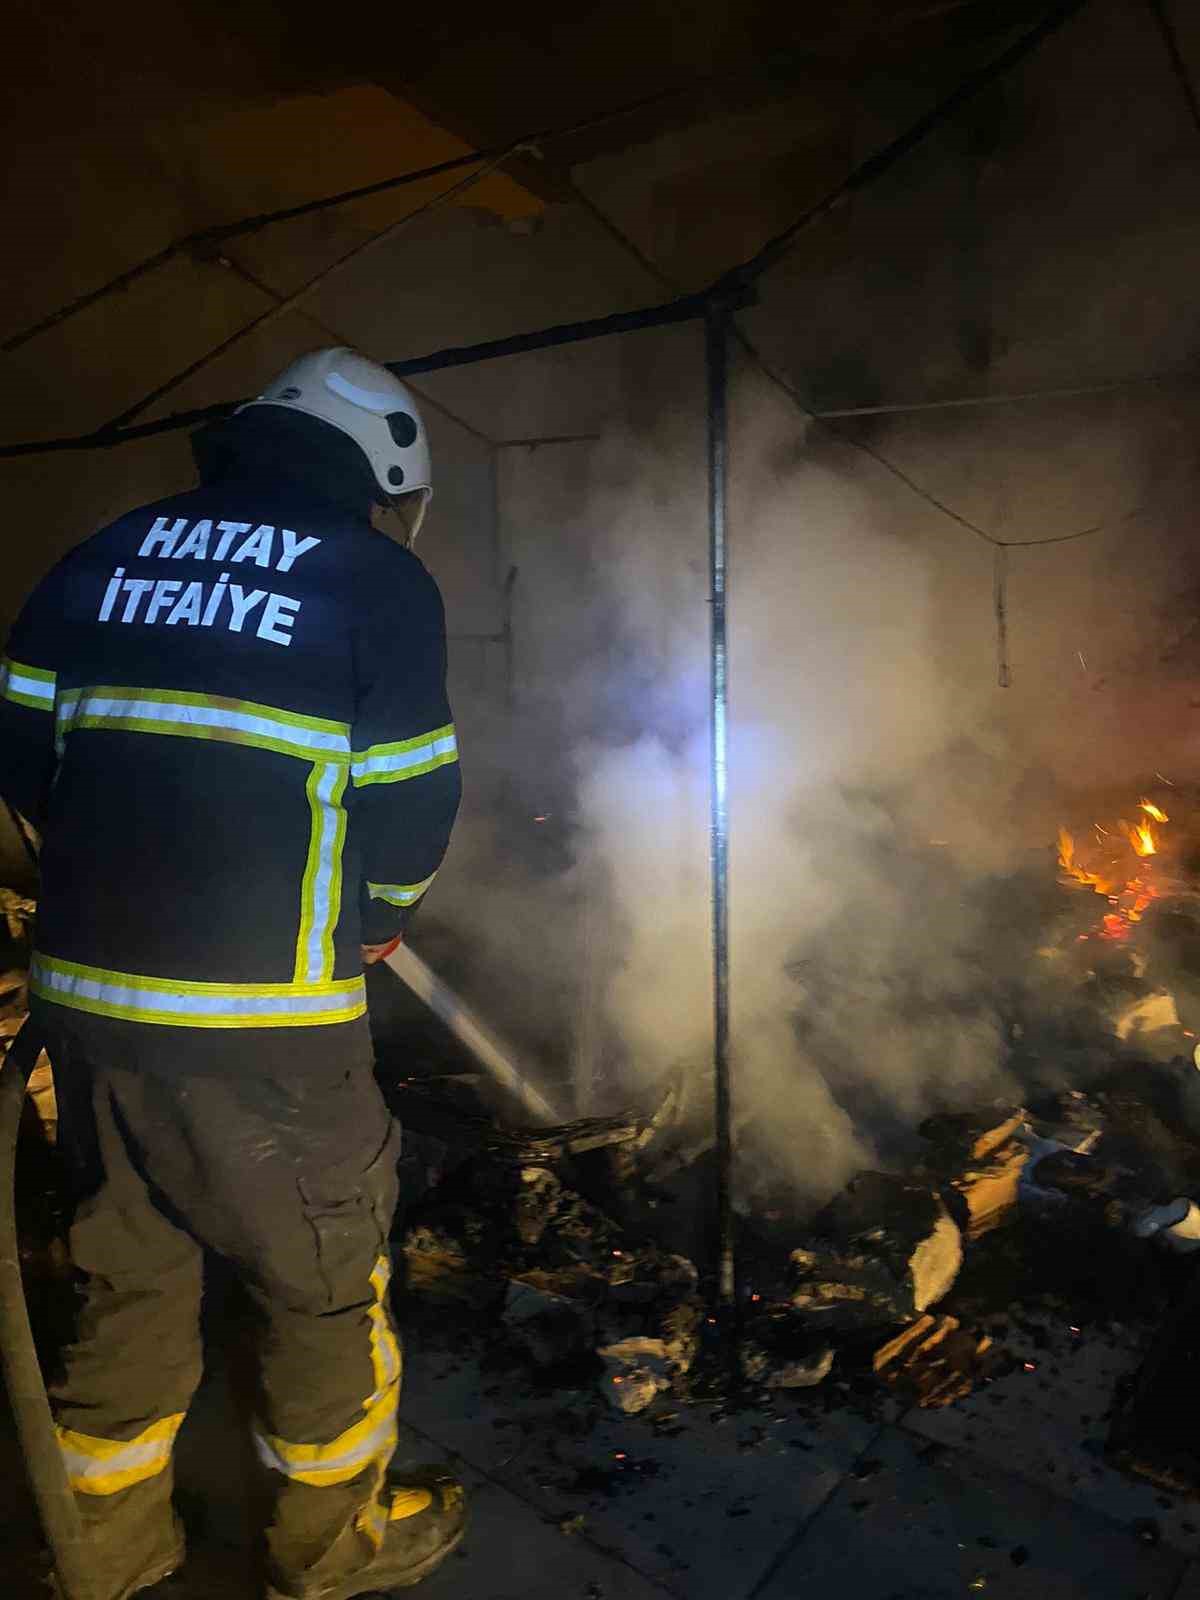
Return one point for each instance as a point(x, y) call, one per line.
point(1155, 812)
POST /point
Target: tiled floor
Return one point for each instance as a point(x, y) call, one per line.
point(1049, 1425)
point(702, 1506)
point(1002, 1496)
point(938, 1524)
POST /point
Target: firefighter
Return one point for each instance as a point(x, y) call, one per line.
point(227, 713)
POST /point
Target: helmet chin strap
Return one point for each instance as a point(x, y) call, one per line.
point(402, 517)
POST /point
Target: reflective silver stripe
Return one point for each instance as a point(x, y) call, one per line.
point(348, 1463)
point(399, 894)
point(96, 1466)
point(327, 820)
point(389, 1352)
point(82, 1468)
point(23, 685)
point(435, 752)
point(201, 1004)
point(35, 688)
point(87, 706)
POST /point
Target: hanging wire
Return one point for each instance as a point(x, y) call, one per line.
point(426, 399)
point(728, 288)
point(687, 308)
point(889, 408)
point(205, 238)
point(1000, 605)
point(1000, 547)
point(298, 296)
point(825, 420)
point(884, 159)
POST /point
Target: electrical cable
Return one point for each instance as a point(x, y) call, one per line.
point(965, 402)
point(1000, 547)
point(826, 419)
point(204, 239)
point(332, 334)
point(291, 301)
point(885, 158)
point(1000, 607)
point(687, 308)
point(924, 494)
point(730, 286)
point(902, 477)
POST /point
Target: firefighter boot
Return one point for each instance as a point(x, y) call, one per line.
point(396, 1542)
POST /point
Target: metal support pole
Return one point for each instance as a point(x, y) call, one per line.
point(716, 329)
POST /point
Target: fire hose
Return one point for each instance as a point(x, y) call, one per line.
point(18, 1353)
point(493, 1056)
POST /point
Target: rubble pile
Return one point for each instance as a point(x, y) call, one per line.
point(506, 1235)
point(870, 1287)
point(879, 1254)
point(563, 1279)
point(875, 1281)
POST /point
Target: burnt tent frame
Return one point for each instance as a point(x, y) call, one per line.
point(714, 307)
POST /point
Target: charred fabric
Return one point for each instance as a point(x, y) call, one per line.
point(573, 1249)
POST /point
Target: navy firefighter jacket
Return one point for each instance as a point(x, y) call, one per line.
point(227, 712)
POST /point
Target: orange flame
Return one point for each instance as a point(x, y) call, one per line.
point(1076, 873)
point(1141, 837)
point(1129, 890)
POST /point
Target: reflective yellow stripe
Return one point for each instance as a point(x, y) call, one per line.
point(409, 758)
point(180, 714)
point(372, 1520)
point(310, 873)
point(24, 685)
point(368, 1442)
point(399, 894)
point(385, 1347)
point(325, 743)
point(219, 702)
point(321, 889)
point(191, 1004)
point(105, 1466)
point(343, 1458)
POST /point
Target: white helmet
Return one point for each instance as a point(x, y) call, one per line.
point(364, 401)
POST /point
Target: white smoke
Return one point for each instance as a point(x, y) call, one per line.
point(881, 783)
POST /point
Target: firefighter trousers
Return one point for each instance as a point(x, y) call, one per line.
point(292, 1180)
